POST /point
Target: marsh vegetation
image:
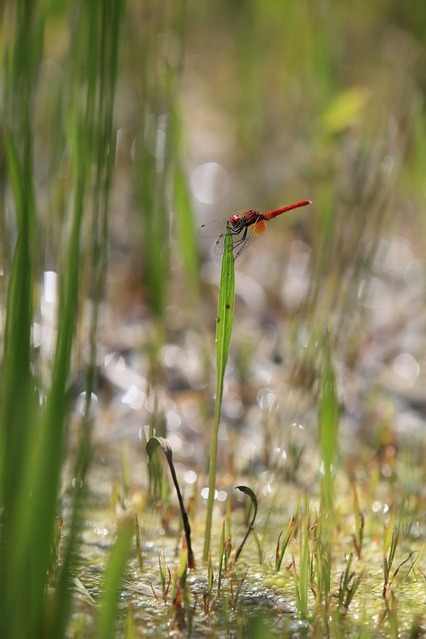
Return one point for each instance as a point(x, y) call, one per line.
point(192, 445)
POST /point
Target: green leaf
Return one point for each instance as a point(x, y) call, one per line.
point(224, 322)
point(225, 315)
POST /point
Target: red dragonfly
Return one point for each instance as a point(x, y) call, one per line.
point(245, 226)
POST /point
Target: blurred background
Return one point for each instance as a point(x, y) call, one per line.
point(241, 105)
point(125, 126)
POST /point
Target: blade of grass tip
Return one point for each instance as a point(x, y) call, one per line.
point(224, 322)
point(113, 576)
point(286, 540)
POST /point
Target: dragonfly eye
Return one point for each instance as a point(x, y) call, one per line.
point(236, 223)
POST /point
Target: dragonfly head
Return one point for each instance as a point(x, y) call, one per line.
point(235, 221)
point(238, 222)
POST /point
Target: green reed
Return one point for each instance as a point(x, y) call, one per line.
point(35, 409)
point(224, 322)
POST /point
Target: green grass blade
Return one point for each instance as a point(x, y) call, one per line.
point(185, 222)
point(92, 135)
point(43, 474)
point(224, 322)
point(225, 316)
point(328, 427)
point(19, 410)
point(18, 407)
point(302, 580)
point(16, 360)
point(112, 579)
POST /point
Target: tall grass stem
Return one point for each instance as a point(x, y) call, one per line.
point(224, 322)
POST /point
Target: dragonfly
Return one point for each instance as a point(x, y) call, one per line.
point(245, 226)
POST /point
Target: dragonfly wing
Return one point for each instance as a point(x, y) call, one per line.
point(243, 242)
point(243, 235)
point(217, 227)
point(212, 229)
point(258, 228)
point(219, 244)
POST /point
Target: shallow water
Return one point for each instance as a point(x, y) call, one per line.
point(252, 593)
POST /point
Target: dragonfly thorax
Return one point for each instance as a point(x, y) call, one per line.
point(238, 222)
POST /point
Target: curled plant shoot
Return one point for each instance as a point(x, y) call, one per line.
point(151, 446)
point(248, 491)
